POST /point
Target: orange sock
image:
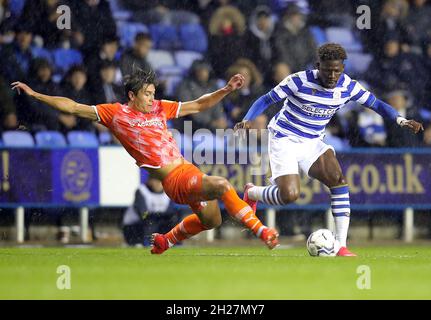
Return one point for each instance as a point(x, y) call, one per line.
point(190, 226)
point(240, 210)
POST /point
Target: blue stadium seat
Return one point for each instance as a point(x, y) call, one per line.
point(38, 52)
point(65, 58)
point(17, 139)
point(318, 35)
point(50, 139)
point(165, 37)
point(172, 76)
point(128, 30)
point(180, 17)
point(16, 7)
point(83, 139)
point(193, 37)
point(184, 59)
point(118, 12)
point(105, 138)
point(359, 62)
point(160, 58)
point(344, 37)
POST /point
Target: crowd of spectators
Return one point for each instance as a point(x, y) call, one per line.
point(265, 40)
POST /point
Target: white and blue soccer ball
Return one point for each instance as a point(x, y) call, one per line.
point(322, 243)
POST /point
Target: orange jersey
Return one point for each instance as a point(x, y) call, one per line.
point(145, 136)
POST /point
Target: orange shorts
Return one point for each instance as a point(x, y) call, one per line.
point(184, 186)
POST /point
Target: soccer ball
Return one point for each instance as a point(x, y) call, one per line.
point(322, 243)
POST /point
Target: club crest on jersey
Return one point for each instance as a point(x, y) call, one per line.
point(337, 94)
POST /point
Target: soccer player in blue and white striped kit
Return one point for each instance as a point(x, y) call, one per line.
point(311, 98)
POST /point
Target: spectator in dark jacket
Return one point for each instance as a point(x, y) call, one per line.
point(32, 113)
point(391, 20)
point(74, 87)
point(238, 103)
point(107, 91)
point(197, 84)
point(93, 20)
point(8, 117)
point(16, 56)
point(396, 137)
point(151, 211)
point(418, 23)
point(107, 53)
point(293, 41)
point(41, 17)
point(227, 40)
point(259, 39)
point(397, 69)
point(137, 56)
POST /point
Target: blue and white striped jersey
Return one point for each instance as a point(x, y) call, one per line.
point(308, 106)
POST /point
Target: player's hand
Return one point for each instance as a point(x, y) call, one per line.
point(412, 125)
point(245, 124)
point(241, 128)
point(236, 82)
point(19, 86)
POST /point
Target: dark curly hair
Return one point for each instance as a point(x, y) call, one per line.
point(136, 81)
point(331, 51)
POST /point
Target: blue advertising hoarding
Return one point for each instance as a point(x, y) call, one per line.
point(378, 178)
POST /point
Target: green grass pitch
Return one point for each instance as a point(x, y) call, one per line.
point(402, 272)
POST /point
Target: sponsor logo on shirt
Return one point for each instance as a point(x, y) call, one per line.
point(146, 123)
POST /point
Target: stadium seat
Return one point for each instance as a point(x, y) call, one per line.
point(50, 139)
point(17, 139)
point(359, 62)
point(38, 52)
point(193, 37)
point(160, 58)
point(171, 76)
point(105, 138)
point(185, 59)
point(118, 12)
point(318, 35)
point(165, 36)
point(83, 139)
point(344, 37)
point(425, 114)
point(16, 7)
point(180, 17)
point(128, 30)
point(65, 58)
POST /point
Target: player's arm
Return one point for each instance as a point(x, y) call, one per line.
point(259, 106)
point(388, 112)
point(211, 99)
point(369, 100)
point(280, 92)
point(62, 104)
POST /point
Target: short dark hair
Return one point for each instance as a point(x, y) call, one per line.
point(331, 51)
point(105, 64)
point(136, 81)
point(143, 36)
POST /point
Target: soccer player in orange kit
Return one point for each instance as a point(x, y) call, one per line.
point(140, 126)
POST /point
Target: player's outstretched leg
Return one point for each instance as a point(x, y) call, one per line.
point(206, 218)
point(220, 188)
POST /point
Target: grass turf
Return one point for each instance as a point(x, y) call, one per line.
point(214, 273)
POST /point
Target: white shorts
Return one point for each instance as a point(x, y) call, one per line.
point(288, 154)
